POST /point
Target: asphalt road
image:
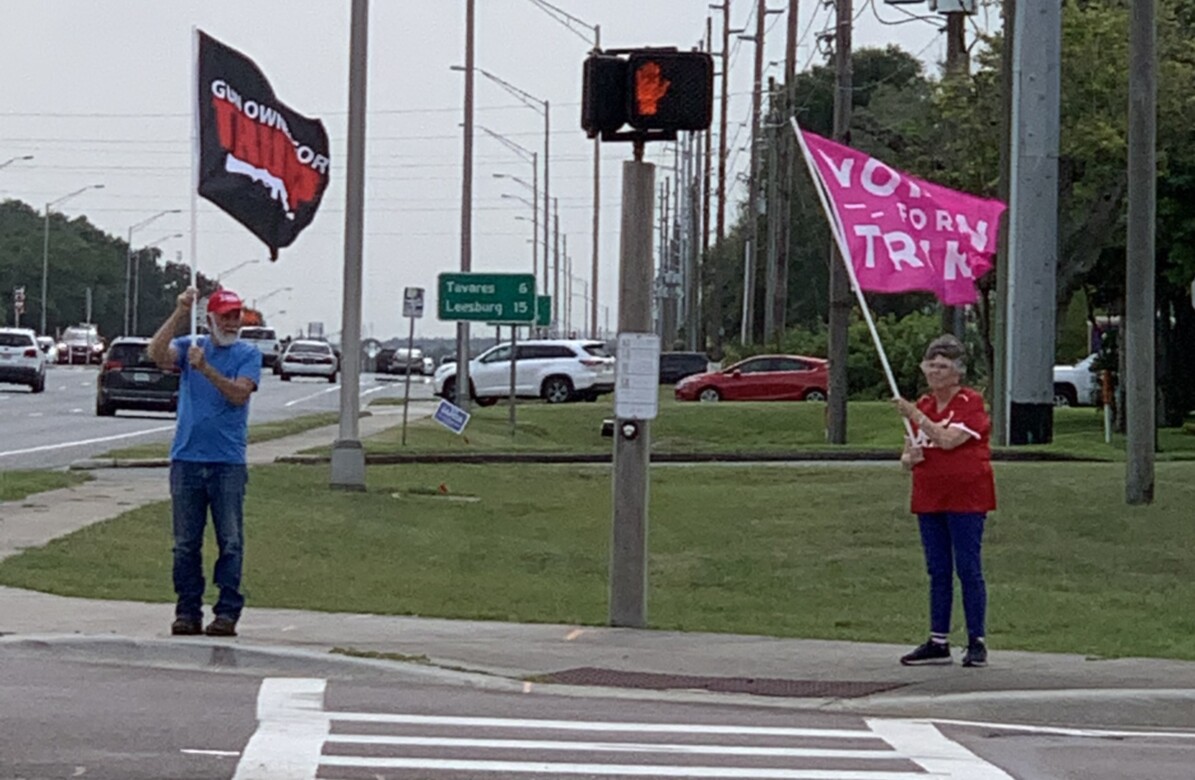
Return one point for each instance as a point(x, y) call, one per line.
point(59, 426)
point(193, 709)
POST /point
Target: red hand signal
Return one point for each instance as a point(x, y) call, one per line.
point(650, 88)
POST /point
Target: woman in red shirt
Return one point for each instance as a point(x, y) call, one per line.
point(953, 490)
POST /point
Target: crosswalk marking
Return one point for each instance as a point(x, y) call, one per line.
point(294, 729)
point(625, 770)
point(606, 747)
point(575, 725)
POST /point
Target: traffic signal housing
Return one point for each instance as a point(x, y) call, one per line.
point(657, 92)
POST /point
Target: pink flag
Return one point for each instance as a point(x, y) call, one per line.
point(904, 233)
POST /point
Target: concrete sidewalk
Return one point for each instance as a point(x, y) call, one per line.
point(1017, 686)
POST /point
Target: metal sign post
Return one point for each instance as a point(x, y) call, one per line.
point(514, 354)
point(412, 309)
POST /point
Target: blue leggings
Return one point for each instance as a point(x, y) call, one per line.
point(954, 540)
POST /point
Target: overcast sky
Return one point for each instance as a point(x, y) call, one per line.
point(99, 93)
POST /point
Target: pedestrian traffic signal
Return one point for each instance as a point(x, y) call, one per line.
point(655, 91)
point(671, 90)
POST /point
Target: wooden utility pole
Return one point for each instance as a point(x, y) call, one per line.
point(788, 159)
point(957, 66)
point(747, 327)
point(1138, 342)
point(772, 206)
point(716, 312)
point(840, 292)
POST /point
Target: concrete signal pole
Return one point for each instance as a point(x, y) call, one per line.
point(632, 438)
point(840, 292)
point(1033, 221)
point(348, 457)
point(1138, 341)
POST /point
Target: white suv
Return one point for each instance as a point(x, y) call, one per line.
point(21, 360)
point(554, 370)
point(1076, 385)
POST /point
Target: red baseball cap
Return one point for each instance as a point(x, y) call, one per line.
point(224, 301)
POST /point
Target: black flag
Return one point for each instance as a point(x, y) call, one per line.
point(261, 162)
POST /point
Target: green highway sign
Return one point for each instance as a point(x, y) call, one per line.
point(495, 298)
point(543, 310)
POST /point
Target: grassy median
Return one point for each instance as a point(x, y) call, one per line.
point(16, 485)
point(810, 551)
point(727, 427)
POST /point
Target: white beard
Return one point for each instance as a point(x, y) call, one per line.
point(219, 337)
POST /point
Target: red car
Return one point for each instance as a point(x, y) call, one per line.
point(760, 378)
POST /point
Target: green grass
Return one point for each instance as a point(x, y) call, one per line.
point(388, 401)
point(726, 427)
point(819, 552)
point(15, 485)
point(257, 433)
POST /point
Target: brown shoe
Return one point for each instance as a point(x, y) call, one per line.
point(186, 627)
point(221, 626)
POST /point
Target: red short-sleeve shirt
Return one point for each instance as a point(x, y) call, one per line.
point(958, 480)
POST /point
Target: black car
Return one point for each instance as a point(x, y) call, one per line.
point(675, 366)
point(129, 379)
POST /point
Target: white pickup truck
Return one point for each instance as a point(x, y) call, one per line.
point(1076, 385)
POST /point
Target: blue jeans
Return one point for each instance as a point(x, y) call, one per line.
point(194, 488)
point(953, 540)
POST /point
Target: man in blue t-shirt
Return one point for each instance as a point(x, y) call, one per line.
point(207, 460)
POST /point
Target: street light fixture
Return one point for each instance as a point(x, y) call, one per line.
point(229, 271)
point(137, 276)
point(12, 160)
point(45, 254)
point(269, 295)
point(128, 264)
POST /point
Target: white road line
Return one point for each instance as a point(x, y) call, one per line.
point(200, 752)
point(83, 442)
point(1065, 732)
point(331, 389)
point(600, 725)
point(638, 770)
point(609, 747)
point(923, 744)
point(290, 734)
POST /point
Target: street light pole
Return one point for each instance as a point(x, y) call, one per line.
point(137, 279)
point(45, 256)
point(230, 271)
point(128, 266)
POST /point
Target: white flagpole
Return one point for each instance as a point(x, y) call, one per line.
point(836, 229)
point(194, 174)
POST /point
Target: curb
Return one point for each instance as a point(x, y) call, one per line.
point(389, 458)
point(94, 464)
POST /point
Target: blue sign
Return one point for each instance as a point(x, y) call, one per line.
point(451, 416)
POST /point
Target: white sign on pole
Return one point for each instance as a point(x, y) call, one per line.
point(412, 302)
point(637, 377)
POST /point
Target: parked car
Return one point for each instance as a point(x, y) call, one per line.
point(760, 378)
point(1076, 385)
point(130, 379)
point(675, 366)
point(402, 361)
point(81, 344)
point(21, 361)
point(266, 341)
point(49, 348)
point(308, 357)
point(556, 370)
